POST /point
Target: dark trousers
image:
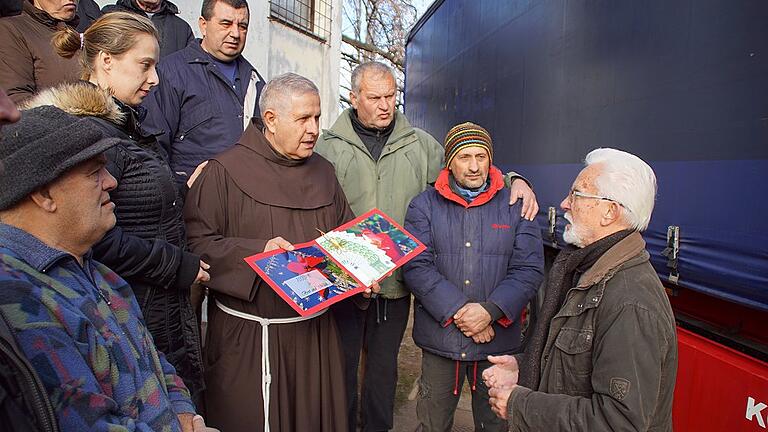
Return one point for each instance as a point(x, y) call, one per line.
point(437, 402)
point(378, 331)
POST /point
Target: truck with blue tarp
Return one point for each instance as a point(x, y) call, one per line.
point(682, 84)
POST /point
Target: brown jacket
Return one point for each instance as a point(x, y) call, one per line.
point(610, 359)
point(28, 62)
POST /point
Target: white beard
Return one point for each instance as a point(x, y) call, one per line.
point(573, 233)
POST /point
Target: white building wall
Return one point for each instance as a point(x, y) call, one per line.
point(274, 48)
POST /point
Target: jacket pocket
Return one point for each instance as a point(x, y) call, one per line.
point(342, 165)
point(573, 341)
point(404, 178)
point(574, 349)
point(197, 117)
point(417, 166)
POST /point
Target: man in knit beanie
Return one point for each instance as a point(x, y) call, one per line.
point(482, 266)
point(466, 135)
point(468, 158)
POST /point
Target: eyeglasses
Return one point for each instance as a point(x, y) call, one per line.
point(574, 193)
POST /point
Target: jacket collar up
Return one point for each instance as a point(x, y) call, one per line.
point(613, 259)
point(46, 19)
point(194, 53)
point(31, 249)
point(344, 130)
point(591, 286)
point(443, 187)
point(627, 253)
point(166, 7)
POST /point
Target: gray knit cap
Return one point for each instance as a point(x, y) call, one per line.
point(40, 147)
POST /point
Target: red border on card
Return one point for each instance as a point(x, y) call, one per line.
point(251, 261)
point(404, 259)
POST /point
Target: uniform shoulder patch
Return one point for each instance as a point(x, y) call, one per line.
point(619, 388)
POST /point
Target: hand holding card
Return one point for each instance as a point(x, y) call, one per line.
point(338, 264)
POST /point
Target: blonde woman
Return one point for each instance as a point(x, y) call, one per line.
point(147, 247)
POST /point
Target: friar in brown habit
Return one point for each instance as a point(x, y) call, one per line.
point(268, 192)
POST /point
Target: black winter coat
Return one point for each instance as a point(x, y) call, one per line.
point(147, 246)
point(24, 402)
point(175, 33)
point(88, 12)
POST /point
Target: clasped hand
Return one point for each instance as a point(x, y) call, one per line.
point(472, 319)
point(501, 379)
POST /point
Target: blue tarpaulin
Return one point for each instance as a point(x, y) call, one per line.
point(682, 84)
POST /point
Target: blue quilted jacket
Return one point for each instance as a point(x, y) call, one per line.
point(481, 251)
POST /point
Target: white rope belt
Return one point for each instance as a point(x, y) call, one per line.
point(266, 376)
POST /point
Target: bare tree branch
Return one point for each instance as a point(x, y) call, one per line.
point(377, 30)
point(349, 58)
point(373, 50)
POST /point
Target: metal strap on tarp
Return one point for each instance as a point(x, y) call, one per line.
point(672, 252)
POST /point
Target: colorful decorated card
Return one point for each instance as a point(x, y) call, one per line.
point(338, 264)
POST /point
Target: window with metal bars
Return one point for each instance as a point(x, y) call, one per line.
point(308, 16)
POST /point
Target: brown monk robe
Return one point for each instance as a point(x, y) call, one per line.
point(244, 197)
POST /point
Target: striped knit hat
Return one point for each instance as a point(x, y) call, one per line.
point(466, 135)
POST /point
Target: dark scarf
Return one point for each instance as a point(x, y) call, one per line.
point(569, 265)
point(374, 139)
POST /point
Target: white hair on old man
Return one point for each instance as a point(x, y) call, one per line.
point(628, 180)
point(281, 87)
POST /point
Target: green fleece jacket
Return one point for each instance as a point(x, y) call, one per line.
point(411, 160)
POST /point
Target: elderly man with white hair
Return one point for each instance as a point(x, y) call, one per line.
point(266, 368)
point(603, 354)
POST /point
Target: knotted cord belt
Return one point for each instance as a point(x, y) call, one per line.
point(266, 376)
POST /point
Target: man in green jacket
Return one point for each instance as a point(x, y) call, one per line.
point(382, 161)
point(603, 353)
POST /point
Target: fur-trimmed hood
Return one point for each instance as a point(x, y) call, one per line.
point(82, 99)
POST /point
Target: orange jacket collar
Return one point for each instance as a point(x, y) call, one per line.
point(443, 187)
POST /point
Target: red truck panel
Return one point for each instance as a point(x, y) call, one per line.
point(718, 389)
